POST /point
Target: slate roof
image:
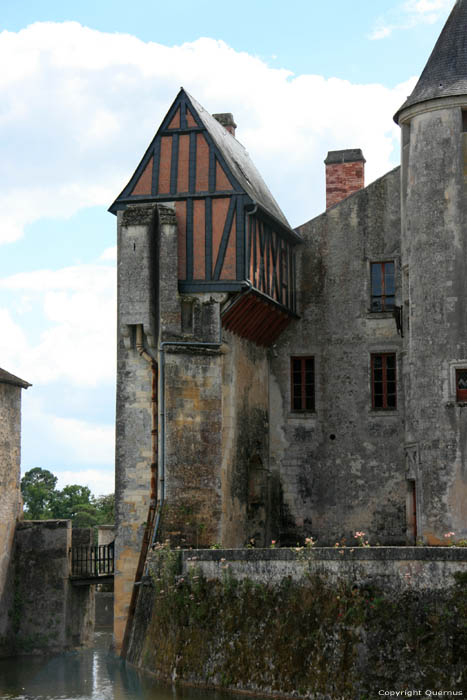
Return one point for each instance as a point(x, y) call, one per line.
point(240, 163)
point(445, 74)
point(7, 378)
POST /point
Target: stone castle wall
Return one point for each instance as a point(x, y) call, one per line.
point(10, 499)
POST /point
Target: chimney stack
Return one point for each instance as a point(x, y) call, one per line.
point(345, 174)
point(227, 121)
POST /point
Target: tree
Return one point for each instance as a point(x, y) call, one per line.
point(70, 500)
point(105, 506)
point(38, 491)
point(42, 500)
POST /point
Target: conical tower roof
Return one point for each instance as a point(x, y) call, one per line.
point(445, 74)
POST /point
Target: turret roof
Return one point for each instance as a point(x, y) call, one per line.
point(445, 74)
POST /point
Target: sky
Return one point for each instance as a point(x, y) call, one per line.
point(84, 87)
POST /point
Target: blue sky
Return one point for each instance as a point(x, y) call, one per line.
point(83, 88)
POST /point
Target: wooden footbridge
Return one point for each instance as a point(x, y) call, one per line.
point(91, 564)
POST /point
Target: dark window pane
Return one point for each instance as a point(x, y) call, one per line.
point(383, 381)
point(376, 305)
point(302, 380)
point(389, 303)
point(461, 378)
point(376, 279)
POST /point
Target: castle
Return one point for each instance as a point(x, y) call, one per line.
point(273, 383)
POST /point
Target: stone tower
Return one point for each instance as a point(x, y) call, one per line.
point(434, 254)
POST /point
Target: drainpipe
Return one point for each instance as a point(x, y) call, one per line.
point(145, 355)
point(162, 348)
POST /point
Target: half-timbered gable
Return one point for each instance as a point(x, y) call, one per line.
point(232, 235)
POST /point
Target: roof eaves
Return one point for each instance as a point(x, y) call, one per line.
point(8, 378)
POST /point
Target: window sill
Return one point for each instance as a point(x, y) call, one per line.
point(302, 415)
point(383, 412)
point(379, 314)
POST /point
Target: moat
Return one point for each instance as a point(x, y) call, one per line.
point(87, 674)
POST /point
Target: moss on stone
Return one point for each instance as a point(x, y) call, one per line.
point(301, 638)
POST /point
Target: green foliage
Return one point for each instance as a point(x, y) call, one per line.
point(42, 500)
point(38, 491)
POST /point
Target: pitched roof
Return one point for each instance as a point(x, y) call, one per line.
point(240, 163)
point(233, 153)
point(445, 74)
point(7, 378)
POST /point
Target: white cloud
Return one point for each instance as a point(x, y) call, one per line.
point(100, 482)
point(410, 14)
point(90, 443)
point(80, 106)
point(109, 254)
point(77, 340)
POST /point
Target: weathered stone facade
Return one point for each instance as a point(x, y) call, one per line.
point(310, 382)
point(11, 507)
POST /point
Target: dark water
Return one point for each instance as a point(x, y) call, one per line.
point(88, 674)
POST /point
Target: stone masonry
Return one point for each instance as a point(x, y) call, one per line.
point(311, 382)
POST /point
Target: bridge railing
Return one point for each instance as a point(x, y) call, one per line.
point(92, 560)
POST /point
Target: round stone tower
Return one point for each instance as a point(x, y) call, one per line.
point(434, 262)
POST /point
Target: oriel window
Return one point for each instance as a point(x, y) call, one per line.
point(383, 381)
point(302, 370)
point(382, 286)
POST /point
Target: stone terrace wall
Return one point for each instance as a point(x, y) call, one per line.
point(315, 624)
point(389, 568)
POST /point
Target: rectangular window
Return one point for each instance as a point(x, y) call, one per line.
point(382, 286)
point(464, 121)
point(383, 381)
point(461, 385)
point(302, 371)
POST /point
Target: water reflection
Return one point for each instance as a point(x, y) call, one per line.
point(88, 674)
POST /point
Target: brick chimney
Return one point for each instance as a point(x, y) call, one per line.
point(227, 121)
point(345, 174)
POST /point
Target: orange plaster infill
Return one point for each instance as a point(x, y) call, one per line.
point(229, 268)
point(183, 163)
point(165, 164)
point(175, 123)
point(199, 239)
point(189, 119)
point(220, 208)
point(144, 184)
point(222, 181)
point(202, 164)
point(180, 213)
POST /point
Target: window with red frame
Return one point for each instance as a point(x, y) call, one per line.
point(461, 385)
point(302, 373)
point(382, 286)
point(383, 381)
